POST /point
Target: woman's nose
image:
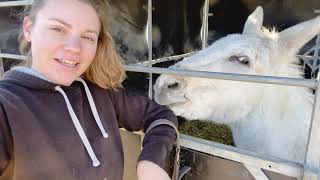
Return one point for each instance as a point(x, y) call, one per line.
point(73, 44)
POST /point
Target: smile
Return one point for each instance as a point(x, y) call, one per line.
point(67, 62)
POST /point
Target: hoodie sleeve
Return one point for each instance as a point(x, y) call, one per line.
point(5, 142)
point(136, 113)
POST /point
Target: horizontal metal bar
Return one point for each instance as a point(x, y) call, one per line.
point(15, 3)
point(227, 76)
point(213, 75)
point(177, 57)
point(253, 159)
point(308, 57)
point(12, 56)
point(165, 59)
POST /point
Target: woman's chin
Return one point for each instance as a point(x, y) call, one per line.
point(63, 81)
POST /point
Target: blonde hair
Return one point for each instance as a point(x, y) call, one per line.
point(106, 69)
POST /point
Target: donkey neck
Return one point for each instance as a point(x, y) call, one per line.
point(278, 125)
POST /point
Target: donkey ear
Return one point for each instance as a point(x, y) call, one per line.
point(254, 22)
point(296, 36)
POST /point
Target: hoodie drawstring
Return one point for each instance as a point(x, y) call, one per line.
point(75, 120)
point(93, 108)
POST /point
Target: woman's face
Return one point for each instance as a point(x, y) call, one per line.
point(63, 39)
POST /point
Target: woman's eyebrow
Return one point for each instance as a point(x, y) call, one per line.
point(60, 21)
point(69, 25)
point(92, 31)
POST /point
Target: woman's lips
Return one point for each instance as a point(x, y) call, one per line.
point(67, 62)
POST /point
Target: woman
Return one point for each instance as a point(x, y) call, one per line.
point(55, 125)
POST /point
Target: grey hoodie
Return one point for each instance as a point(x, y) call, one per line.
point(72, 133)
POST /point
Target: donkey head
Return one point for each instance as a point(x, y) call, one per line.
point(257, 51)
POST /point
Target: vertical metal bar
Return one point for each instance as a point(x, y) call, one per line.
point(318, 44)
point(316, 54)
point(315, 58)
point(1, 67)
point(317, 47)
point(318, 176)
point(313, 140)
point(149, 37)
point(204, 29)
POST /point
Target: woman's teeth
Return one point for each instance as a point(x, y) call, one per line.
point(68, 62)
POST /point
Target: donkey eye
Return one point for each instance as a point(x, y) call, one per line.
point(241, 59)
point(173, 86)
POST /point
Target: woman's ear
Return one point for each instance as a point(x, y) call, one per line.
point(27, 28)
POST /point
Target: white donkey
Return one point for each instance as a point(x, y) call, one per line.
point(268, 119)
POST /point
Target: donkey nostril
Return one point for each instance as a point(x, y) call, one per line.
point(173, 86)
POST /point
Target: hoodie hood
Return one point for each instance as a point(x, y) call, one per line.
point(30, 78)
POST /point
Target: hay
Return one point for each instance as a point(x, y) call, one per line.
point(207, 130)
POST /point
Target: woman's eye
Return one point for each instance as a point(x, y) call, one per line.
point(89, 38)
point(57, 29)
point(241, 59)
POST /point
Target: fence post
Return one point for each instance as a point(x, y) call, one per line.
point(149, 41)
point(313, 141)
point(204, 29)
point(1, 67)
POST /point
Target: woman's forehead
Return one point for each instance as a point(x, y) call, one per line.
point(74, 13)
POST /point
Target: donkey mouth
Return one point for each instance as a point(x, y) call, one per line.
point(176, 104)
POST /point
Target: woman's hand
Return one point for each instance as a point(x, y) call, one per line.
point(148, 170)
